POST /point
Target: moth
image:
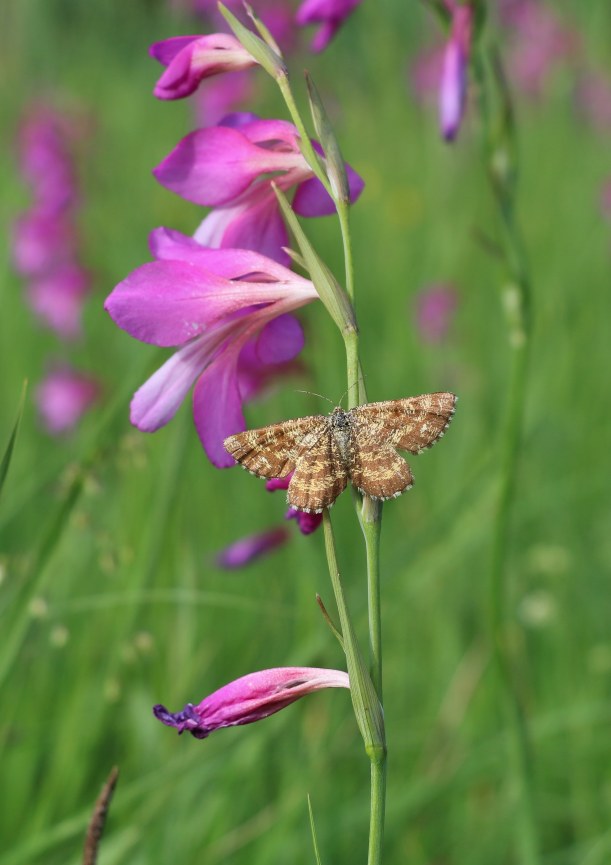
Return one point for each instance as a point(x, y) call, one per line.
point(325, 452)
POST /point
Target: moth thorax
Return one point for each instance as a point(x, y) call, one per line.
point(340, 425)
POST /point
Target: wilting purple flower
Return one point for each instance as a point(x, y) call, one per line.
point(229, 167)
point(63, 396)
point(190, 59)
point(435, 308)
point(307, 522)
point(210, 304)
point(593, 100)
point(539, 41)
point(248, 549)
point(251, 698)
point(453, 86)
point(330, 14)
point(57, 298)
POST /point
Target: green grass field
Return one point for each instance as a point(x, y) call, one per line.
point(109, 595)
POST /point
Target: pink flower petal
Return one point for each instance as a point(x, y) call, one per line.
point(217, 407)
point(312, 199)
point(248, 549)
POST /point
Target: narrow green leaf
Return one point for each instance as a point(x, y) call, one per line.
point(335, 165)
point(263, 54)
point(8, 453)
point(329, 290)
point(263, 30)
point(313, 831)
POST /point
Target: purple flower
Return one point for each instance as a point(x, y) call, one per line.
point(593, 100)
point(62, 398)
point(453, 85)
point(42, 241)
point(250, 698)
point(435, 308)
point(190, 59)
point(540, 41)
point(57, 298)
point(44, 160)
point(307, 522)
point(212, 305)
point(250, 548)
point(230, 167)
point(330, 14)
point(221, 96)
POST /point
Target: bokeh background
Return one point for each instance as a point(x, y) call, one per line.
point(110, 596)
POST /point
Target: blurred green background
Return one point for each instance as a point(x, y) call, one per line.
point(110, 598)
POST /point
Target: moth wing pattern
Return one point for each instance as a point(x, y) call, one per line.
point(412, 424)
point(319, 477)
point(273, 451)
point(378, 471)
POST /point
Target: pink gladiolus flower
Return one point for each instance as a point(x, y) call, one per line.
point(57, 298)
point(210, 304)
point(248, 549)
point(306, 522)
point(42, 241)
point(228, 167)
point(250, 698)
point(541, 40)
point(44, 159)
point(190, 59)
point(435, 308)
point(453, 87)
point(593, 100)
point(222, 96)
point(63, 397)
point(330, 14)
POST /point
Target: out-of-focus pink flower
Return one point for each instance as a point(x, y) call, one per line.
point(210, 304)
point(539, 42)
point(57, 298)
point(307, 522)
point(42, 241)
point(44, 160)
point(329, 14)
point(248, 549)
point(222, 96)
point(593, 100)
point(190, 59)
point(230, 168)
point(63, 396)
point(435, 308)
point(453, 85)
point(605, 199)
point(251, 698)
point(425, 72)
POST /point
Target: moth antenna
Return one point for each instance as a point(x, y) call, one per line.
point(311, 393)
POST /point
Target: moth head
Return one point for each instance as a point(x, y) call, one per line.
point(339, 418)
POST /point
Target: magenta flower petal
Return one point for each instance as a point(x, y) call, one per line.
point(306, 522)
point(255, 224)
point(312, 199)
point(57, 298)
point(190, 59)
point(280, 340)
point(217, 407)
point(251, 698)
point(453, 87)
point(159, 398)
point(278, 483)
point(41, 242)
point(62, 398)
point(435, 308)
point(330, 14)
point(248, 549)
point(213, 166)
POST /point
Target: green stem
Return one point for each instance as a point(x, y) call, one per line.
point(310, 155)
point(500, 156)
point(343, 212)
point(371, 523)
point(367, 707)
